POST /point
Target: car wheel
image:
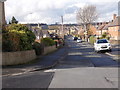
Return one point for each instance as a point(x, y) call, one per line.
point(110, 50)
point(96, 51)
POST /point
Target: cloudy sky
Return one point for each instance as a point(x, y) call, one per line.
point(50, 11)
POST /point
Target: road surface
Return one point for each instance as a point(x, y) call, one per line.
point(80, 68)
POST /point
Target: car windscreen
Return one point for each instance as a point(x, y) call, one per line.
point(102, 41)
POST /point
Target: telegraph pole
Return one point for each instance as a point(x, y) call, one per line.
point(2, 14)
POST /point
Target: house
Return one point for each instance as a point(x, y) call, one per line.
point(99, 31)
point(81, 32)
point(114, 28)
point(92, 30)
point(54, 29)
point(2, 14)
point(105, 29)
point(41, 26)
point(40, 30)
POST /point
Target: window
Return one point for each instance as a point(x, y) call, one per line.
point(102, 41)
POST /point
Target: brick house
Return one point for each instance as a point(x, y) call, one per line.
point(93, 29)
point(114, 28)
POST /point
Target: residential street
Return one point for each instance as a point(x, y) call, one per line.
point(80, 67)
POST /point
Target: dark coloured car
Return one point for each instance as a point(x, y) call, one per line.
point(75, 38)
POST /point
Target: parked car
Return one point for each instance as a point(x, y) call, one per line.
point(101, 45)
point(75, 38)
point(79, 40)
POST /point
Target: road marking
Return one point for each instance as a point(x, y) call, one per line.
point(111, 54)
point(50, 70)
point(15, 74)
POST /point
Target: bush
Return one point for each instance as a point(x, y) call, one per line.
point(17, 37)
point(92, 39)
point(105, 36)
point(48, 41)
point(39, 48)
point(10, 42)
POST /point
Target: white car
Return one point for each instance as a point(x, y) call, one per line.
point(79, 40)
point(102, 44)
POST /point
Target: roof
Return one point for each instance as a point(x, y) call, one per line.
point(101, 27)
point(106, 26)
point(115, 22)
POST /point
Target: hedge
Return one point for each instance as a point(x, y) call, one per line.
point(92, 39)
point(39, 48)
point(47, 41)
point(17, 37)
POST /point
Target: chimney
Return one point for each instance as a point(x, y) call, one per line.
point(114, 16)
point(103, 23)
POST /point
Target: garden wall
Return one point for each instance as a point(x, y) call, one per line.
point(20, 57)
point(49, 49)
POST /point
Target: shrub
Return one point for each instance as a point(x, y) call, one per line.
point(39, 48)
point(48, 41)
point(92, 39)
point(105, 36)
point(10, 42)
point(17, 37)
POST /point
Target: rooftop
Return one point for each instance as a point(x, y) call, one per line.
point(115, 22)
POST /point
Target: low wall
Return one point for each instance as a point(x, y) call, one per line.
point(14, 58)
point(49, 49)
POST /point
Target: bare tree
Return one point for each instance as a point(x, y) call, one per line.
point(85, 16)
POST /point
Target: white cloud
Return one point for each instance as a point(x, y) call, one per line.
point(49, 11)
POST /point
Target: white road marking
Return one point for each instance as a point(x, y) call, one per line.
point(50, 70)
point(110, 54)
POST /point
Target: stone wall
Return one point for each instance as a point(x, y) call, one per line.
point(14, 58)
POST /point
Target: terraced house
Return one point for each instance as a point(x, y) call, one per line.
point(114, 28)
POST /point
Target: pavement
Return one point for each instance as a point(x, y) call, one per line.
point(43, 62)
point(89, 77)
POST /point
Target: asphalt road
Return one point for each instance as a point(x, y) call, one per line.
point(83, 55)
point(34, 80)
point(81, 68)
point(84, 68)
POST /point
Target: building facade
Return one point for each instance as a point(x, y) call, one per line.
point(114, 29)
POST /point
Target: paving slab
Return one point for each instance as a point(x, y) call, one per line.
point(85, 78)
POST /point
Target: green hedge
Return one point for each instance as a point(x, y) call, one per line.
point(47, 41)
point(39, 48)
point(92, 39)
point(17, 37)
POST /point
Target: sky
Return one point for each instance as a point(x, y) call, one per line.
point(50, 11)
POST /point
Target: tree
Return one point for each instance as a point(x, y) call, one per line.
point(85, 16)
point(13, 21)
